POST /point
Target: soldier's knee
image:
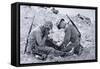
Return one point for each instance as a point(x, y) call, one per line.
point(78, 50)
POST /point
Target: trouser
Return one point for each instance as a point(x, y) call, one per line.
point(48, 51)
point(44, 51)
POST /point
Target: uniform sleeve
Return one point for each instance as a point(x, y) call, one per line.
point(66, 37)
point(39, 38)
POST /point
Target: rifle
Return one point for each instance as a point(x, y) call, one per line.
point(28, 35)
point(74, 25)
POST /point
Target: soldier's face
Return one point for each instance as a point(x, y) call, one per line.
point(49, 26)
point(47, 30)
point(63, 24)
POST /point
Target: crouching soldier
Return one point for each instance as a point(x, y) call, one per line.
point(36, 40)
point(71, 39)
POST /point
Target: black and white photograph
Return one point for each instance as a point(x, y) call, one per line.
point(56, 34)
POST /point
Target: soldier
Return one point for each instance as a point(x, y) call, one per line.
point(71, 39)
point(37, 37)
